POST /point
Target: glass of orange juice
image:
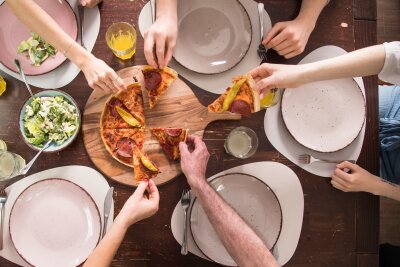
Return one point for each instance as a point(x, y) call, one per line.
point(271, 98)
point(121, 39)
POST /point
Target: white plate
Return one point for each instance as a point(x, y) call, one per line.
point(214, 36)
point(252, 199)
point(54, 222)
point(324, 116)
point(284, 142)
point(289, 193)
point(87, 178)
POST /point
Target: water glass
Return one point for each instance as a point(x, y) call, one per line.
point(242, 142)
point(10, 164)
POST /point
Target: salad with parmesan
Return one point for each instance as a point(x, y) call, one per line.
point(49, 118)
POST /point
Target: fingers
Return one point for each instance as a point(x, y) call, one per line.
point(170, 51)
point(160, 50)
point(293, 54)
point(265, 84)
point(153, 191)
point(277, 40)
point(116, 81)
point(348, 165)
point(346, 177)
point(183, 148)
point(83, 2)
point(337, 185)
point(274, 31)
point(148, 49)
point(141, 188)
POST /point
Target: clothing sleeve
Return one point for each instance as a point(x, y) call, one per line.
point(391, 69)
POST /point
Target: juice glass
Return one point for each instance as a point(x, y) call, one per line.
point(121, 39)
point(242, 142)
point(10, 164)
point(271, 98)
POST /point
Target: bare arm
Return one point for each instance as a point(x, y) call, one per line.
point(242, 243)
point(162, 35)
point(99, 75)
point(136, 208)
point(360, 180)
point(362, 62)
point(289, 38)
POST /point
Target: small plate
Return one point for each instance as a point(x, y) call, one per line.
point(54, 222)
point(324, 116)
point(214, 36)
point(253, 200)
point(53, 147)
point(16, 31)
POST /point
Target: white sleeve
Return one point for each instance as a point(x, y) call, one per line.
point(391, 69)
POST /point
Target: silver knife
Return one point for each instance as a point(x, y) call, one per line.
point(107, 207)
point(81, 13)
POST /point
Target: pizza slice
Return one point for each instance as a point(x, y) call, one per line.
point(157, 81)
point(169, 139)
point(143, 166)
point(240, 98)
point(132, 98)
point(120, 143)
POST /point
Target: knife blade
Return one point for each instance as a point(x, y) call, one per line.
point(107, 207)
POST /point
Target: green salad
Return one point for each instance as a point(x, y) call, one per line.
point(49, 118)
point(38, 49)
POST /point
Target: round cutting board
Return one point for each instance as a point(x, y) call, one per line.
point(178, 107)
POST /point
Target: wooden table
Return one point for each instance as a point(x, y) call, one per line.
point(339, 229)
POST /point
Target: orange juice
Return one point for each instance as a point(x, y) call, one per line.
point(121, 38)
point(270, 99)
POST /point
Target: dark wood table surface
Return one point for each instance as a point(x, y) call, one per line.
point(339, 229)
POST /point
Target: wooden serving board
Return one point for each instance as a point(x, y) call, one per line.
point(178, 107)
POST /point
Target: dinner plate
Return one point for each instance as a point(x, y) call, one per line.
point(16, 31)
point(324, 116)
point(214, 36)
point(252, 199)
point(54, 222)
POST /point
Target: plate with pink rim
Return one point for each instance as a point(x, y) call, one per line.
point(54, 222)
point(16, 31)
point(253, 200)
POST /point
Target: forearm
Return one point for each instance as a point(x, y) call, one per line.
point(108, 246)
point(37, 20)
point(386, 189)
point(310, 10)
point(242, 243)
point(167, 8)
point(362, 62)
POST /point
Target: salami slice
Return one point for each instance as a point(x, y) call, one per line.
point(168, 150)
point(152, 80)
point(240, 107)
point(173, 131)
point(124, 147)
point(114, 103)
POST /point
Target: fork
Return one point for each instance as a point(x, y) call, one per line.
point(308, 159)
point(185, 202)
point(81, 14)
point(261, 50)
point(3, 199)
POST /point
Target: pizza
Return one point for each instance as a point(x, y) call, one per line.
point(240, 98)
point(169, 139)
point(143, 166)
point(157, 81)
point(120, 143)
point(128, 102)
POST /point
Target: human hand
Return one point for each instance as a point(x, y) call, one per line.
point(289, 38)
point(100, 76)
point(194, 164)
point(268, 76)
point(138, 206)
point(89, 3)
point(358, 180)
point(162, 35)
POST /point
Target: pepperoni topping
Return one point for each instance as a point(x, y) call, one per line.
point(173, 131)
point(152, 80)
point(124, 147)
point(114, 102)
point(241, 107)
point(168, 151)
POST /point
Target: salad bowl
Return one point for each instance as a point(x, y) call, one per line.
point(68, 128)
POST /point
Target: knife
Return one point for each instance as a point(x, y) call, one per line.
point(107, 207)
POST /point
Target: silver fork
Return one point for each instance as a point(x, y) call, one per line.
point(81, 14)
point(308, 159)
point(3, 199)
point(185, 202)
point(261, 50)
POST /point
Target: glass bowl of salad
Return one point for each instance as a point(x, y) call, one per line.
point(49, 115)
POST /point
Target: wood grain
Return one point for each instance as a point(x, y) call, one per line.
point(178, 107)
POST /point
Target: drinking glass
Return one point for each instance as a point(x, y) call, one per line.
point(10, 164)
point(121, 39)
point(271, 98)
point(242, 142)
